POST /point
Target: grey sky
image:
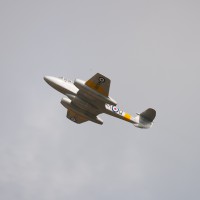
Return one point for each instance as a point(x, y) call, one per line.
point(150, 51)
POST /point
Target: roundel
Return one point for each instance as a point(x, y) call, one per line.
point(115, 109)
point(101, 80)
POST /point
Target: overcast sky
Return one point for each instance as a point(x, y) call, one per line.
point(151, 52)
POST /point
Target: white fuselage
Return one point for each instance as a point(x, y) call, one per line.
point(61, 85)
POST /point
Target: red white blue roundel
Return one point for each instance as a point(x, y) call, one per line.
point(115, 109)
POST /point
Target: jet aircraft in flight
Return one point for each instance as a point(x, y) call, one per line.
point(85, 100)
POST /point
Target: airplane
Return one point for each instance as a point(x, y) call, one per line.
point(85, 100)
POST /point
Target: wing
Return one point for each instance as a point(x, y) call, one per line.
point(99, 83)
point(75, 117)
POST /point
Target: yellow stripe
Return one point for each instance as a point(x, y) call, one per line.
point(96, 87)
point(127, 116)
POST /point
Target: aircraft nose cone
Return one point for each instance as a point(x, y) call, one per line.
point(48, 79)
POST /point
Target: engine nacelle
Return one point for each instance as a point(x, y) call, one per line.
point(67, 103)
point(96, 95)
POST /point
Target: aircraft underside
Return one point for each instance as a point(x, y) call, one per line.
point(86, 100)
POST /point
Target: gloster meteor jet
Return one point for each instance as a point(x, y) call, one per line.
point(85, 100)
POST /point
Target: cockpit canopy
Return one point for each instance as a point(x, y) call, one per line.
point(66, 80)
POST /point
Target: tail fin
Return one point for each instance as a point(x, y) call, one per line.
point(149, 114)
point(145, 119)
